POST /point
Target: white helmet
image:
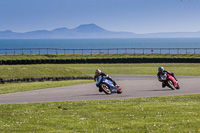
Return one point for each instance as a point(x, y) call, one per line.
point(97, 72)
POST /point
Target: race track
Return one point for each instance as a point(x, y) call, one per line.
point(132, 85)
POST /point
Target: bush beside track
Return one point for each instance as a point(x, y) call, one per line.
point(41, 79)
point(103, 60)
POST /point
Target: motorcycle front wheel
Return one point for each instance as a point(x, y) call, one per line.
point(119, 90)
point(105, 88)
point(177, 87)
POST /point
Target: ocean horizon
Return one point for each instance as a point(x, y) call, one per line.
point(100, 43)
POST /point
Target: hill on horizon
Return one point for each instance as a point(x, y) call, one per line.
point(90, 31)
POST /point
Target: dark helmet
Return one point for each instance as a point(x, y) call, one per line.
point(160, 69)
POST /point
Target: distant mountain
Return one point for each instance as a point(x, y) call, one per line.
point(89, 28)
point(89, 31)
point(82, 31)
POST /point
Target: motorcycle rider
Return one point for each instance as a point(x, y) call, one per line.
point(98, 72)
point(162, 71)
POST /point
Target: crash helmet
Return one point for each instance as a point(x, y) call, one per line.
point(97, 72)
point(160, 69)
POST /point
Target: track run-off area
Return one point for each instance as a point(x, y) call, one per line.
point(132, 86)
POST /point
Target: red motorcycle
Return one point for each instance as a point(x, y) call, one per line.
point(169, 81)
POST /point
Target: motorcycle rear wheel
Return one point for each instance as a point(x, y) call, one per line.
point(105, 88)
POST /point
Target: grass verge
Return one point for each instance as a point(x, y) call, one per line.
point(59, 70)
point(97, 55)
point(155, 114)
point(47, 70)
point(19, 87)
point(187, 69)
point(56, 70)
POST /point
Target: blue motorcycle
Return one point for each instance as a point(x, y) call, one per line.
point(107, 86)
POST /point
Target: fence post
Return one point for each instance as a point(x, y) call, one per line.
point(73, 51)
point(56, 52)
point(64, 51)
point(178, 50)
point(186, 50)
point(194, 51)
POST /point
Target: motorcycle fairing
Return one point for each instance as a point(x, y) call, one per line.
point(164, 77)
point(100, 80)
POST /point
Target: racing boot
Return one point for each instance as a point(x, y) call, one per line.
point(100, 90)
point(163, 85)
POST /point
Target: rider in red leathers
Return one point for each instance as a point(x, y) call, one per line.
point(162, 71)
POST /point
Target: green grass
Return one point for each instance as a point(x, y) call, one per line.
point(47, 70)
point(187, 69)
point(19, 87)
point(97, 55)
point(155, 114)
point(59, 70)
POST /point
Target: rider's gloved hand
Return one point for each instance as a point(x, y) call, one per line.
point(108, 76)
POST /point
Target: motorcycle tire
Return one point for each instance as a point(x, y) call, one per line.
point(177, 87)
point(170, 84)
point(119, 90)
point(105, 89)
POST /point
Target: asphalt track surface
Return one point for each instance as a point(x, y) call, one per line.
point(132, 86)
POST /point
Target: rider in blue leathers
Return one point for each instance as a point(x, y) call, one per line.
point(98, 72)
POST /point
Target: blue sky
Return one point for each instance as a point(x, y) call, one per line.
point(138, 16)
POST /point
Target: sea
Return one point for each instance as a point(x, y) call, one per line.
point(7, 46)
